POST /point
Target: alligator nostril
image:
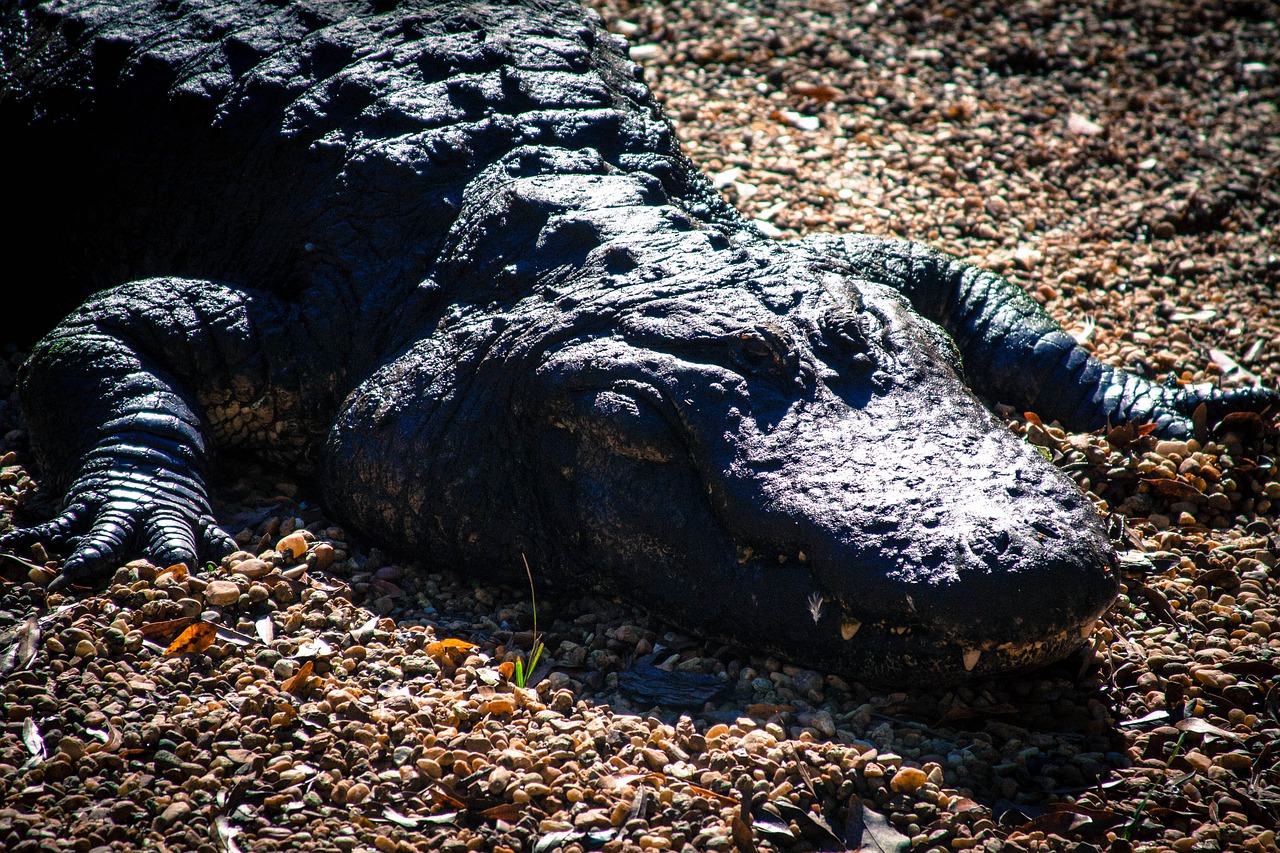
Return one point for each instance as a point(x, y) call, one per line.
point(1046, 529)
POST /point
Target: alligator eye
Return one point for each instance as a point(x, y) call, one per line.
point(756, 349)
point(768, 349)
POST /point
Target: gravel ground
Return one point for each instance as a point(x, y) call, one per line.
point(1118, 160)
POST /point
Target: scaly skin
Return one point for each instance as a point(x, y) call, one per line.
point(450, 255)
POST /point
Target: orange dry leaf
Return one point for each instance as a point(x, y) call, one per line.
point(510, 812)
point(507, 669)
point(165, 628)
point(197, 638)
point(297, 682)
point(179, 571)
point(449, 649)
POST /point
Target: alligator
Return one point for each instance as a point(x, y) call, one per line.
point(450, 257)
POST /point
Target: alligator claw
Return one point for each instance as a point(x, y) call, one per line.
point(98, 540)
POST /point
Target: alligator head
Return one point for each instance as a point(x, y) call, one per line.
point(803, 469)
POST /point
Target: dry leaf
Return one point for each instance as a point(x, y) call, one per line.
point(507, 669)
point(880, 835)
point(510, 812)
point(197, 638)
point(266, 629)
point(297, 682)
point(450, 649)
point(1204, 727)
point(710, 794)
point(1175, 490)
point(164, 629)
point(284, 715)
point(32, 739)
point(315, 648)
point(817, 91)
point(742, 835)
point(109, 740)
point(28, 643)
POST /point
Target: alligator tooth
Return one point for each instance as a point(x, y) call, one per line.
point(800, 555)
point(899, 629)
point(744, 553)
point(849, 627)
point(971, 658)
point(1088, 629)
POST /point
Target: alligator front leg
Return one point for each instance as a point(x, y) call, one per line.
point(1015, 353)
point(124, 400)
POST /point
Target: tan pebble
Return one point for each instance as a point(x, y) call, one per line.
point(294, 545)
point(251, 568)
point(86, 649)
point(221, 593)
point(1240, 762)
point(1199, 761)
point(258, 592)
point(1214, 677)
point(653, 842)
point(357, 793)
point(908, 779)
point(324, 555)
point(536, 789)
point(73, 747)
point(718, 730)
point(593, 819)
point(41, 575)
point(430, 767)
point(500, 705)
point(382, 842)
point(54, 645)
point(655, 758)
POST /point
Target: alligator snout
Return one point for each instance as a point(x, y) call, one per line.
point(941, 547)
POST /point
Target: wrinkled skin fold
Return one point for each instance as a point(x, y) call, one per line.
point(450, 256)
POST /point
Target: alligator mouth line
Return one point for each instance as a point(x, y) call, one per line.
point(919, 641)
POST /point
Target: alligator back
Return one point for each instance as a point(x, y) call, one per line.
point(282, 146)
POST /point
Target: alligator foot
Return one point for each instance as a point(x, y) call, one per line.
point(101, 532)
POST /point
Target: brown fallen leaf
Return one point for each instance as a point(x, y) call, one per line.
point(710, 794)
point(1204, 727)
point(450, 649)
point(1172, 489)
point(1130, 434)
point(197, 638)
point(510, 812)
point(152, 630)
point(297, 683)
point(818, 91)
point(108, 740)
